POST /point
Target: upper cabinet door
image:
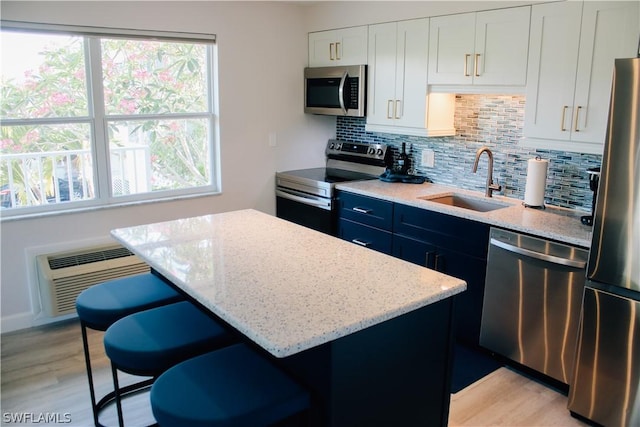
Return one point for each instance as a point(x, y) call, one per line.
point(483, 48)
point(573, 47)
point(609, 30)
point(555, 38)
point(381, 78)
point(451, 48)
point(411, 72)
point(347, 46)
point(501, 47)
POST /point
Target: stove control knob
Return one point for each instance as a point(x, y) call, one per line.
point(379, 151)
point(371, 151)
point(332, 146)
point(338, 146)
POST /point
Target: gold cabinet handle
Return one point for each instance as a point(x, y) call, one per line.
point(331, 47)
point(389, 107)
point(475, 65)
point(466, 62)
point(575, 128)
point(564, 111)
point(338, 51)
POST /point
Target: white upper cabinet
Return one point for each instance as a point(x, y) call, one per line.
point(397, 100)
point(572, 52)
point(482, 48)
point(347, 46)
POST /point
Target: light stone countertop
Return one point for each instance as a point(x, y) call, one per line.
point(286, 287)
point(553, 223)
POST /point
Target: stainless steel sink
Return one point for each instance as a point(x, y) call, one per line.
point(466, 202)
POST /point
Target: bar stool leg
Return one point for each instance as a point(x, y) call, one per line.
point(116, 385)
point(119, 393)
point(87, 360)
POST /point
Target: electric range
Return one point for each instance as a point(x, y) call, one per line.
point(307, 196)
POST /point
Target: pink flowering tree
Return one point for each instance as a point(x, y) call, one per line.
point(168, 78)
point(56, 88)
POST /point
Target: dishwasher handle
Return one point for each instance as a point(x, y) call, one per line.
point(537, 255)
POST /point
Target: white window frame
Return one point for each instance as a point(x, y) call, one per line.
point(98, 120)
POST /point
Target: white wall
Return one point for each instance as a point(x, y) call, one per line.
point(262, 52)
point(339, 14)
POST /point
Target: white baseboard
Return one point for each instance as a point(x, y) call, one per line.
point(16, 322)
point(21, 321)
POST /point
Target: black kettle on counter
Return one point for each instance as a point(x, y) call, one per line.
point(594, 179)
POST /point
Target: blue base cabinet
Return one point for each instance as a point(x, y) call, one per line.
point(395, 373)
point(451, 245)
point(468, 305)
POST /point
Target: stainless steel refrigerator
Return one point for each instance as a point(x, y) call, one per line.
point(606, 383)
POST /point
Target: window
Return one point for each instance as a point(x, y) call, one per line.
point(98, 118)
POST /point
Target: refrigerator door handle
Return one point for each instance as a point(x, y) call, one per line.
point(537, 255)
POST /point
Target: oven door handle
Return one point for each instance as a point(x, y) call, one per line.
point(296, 196)
point(538, 255)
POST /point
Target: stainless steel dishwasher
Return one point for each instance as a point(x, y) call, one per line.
point(532, 301)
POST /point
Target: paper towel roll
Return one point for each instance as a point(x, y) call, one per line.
point(536, 182)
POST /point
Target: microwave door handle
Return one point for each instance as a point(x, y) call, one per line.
point(343, 80)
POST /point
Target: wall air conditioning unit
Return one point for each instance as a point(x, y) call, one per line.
point(62, 276)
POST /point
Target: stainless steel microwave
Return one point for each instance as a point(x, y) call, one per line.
point(335, 91)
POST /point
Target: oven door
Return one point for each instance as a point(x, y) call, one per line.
point(310, 211)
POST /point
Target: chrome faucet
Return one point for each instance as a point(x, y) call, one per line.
point(490, 185)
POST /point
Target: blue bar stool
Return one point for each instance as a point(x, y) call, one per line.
point(149, 342)
point(231, 387)
point(101, 305)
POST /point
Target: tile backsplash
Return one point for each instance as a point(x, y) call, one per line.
point(495, 121)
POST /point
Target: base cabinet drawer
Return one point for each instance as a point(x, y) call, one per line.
point(366, 210)
point(365, 236)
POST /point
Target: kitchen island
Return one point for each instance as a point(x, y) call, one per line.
point(368, 334)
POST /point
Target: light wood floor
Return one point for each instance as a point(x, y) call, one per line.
point(43, 372)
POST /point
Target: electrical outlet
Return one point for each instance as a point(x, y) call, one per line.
point(428, 158)
point(273, 139)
